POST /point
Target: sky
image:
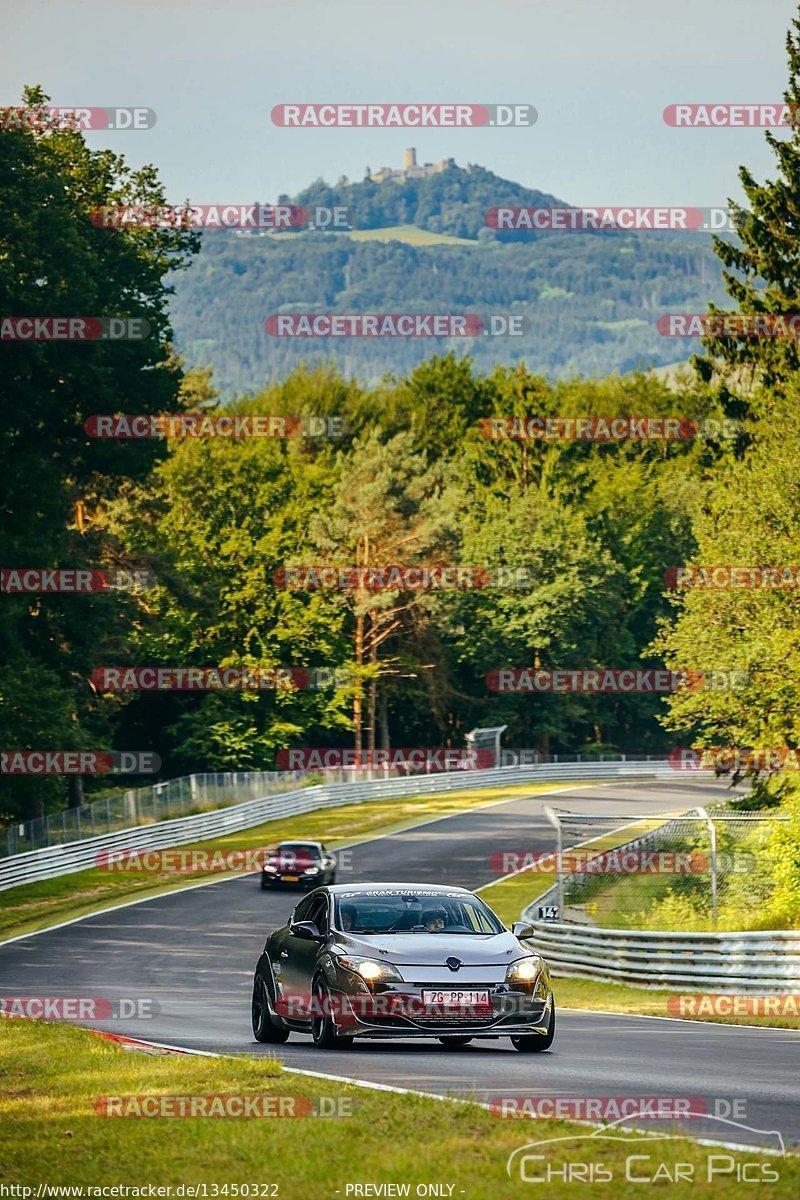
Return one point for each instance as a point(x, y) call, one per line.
point(599, 74)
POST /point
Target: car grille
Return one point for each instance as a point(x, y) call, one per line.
point(455, 1022)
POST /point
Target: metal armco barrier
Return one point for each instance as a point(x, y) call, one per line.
point(47, 863)
point(766, 963)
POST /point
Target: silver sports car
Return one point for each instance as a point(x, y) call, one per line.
point(400, 960)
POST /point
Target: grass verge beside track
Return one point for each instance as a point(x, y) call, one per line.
point(509, 896)
point(633, 1001)
point(35, 906)
point(52, 1076)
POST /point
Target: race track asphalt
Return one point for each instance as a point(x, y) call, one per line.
point(192, 955)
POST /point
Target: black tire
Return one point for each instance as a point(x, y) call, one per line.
point(323, 1030)
point(536, 1042)
point(266, 1027)
point(264, 884)
point(455, 1043)
point(332, 879)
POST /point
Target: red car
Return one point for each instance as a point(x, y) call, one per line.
point(298, 864)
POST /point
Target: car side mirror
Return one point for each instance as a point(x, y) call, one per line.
point(308, 931)
point(522, 929)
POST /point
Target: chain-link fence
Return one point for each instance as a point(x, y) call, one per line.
point(706, 869)
point(141, 806)
point(125, 809)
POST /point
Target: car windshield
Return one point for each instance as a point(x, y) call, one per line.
point(292, 852)
point(414, 912)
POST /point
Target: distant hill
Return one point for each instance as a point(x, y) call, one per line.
point(412, 235)
point(453, 201)
point(591, 299)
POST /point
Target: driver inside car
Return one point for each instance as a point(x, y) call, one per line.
point(434, 919)
point(347, 913)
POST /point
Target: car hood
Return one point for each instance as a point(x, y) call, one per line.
point(299, 862)
point(423, 948)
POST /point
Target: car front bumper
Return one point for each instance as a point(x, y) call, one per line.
point(401, 1014)
point(304, 881)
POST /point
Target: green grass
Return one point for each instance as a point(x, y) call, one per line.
point(411, 234)
point(633, 1001)
point(508, 897)
point(35, 906)
point(683, 901)
point(51, 1077)
point(39, 905)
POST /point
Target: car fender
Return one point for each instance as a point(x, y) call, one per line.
point(266, 973)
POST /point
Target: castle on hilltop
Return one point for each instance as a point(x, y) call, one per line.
point(409, 170)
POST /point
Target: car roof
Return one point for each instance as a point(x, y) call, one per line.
point(382, 889)
point(298, 842)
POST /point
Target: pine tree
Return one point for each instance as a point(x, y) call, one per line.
point(762, 269)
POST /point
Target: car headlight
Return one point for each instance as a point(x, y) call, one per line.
point(370, 969)
point(311, 871)
point(525, 970)
point(270, 868)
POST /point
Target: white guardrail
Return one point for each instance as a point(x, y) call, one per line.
point(767, 962)
point(65, 859)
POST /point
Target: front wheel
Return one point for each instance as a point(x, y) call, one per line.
point(534, 1043)
point(266, 1028)
point(323, 1030)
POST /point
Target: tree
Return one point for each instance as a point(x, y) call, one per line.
point(54, 480)
point(751, 518)
point(221, 518)
point(383, 513)
point(762, 267)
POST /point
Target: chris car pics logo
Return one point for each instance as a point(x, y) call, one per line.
point(616, 1153)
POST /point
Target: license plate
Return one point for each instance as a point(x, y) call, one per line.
point(449, 998)
point(290, 878)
